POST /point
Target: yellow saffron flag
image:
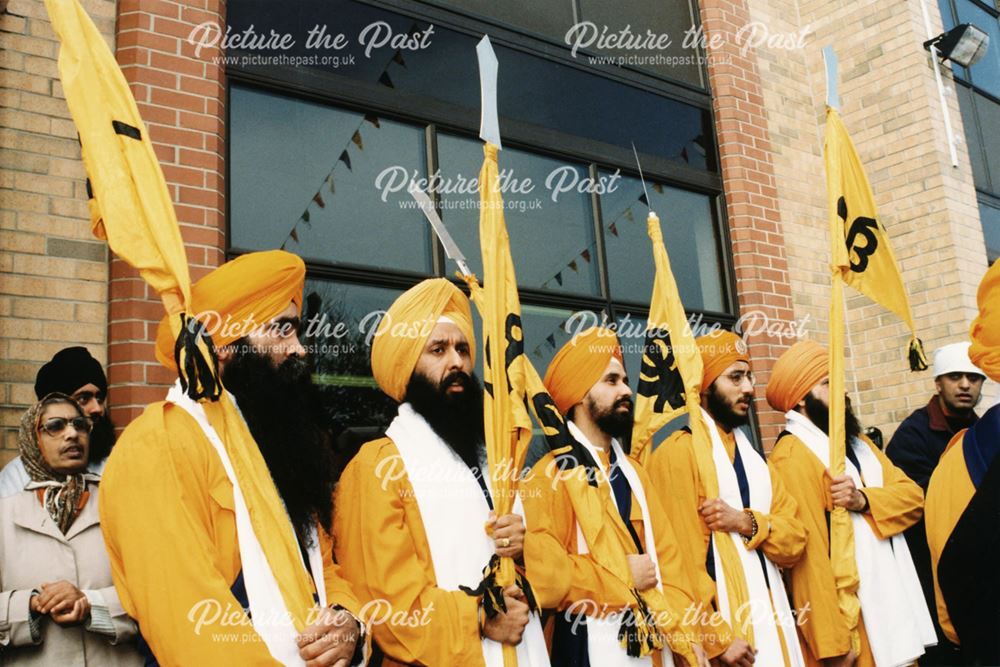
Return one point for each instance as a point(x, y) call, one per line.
point(670, 376)
point(130, 207)
point(515, 392)
point(862, 254)
point(669, 386)
point(508, 426)
point(861, 257)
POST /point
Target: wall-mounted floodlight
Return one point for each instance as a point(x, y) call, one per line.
point(964, 44)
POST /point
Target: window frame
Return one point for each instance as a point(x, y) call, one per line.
point(331, 89)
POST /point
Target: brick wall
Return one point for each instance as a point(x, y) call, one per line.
point(181, 98)
point(889, 104)
point(59, 288)
point(54, 290)
point(758, 243)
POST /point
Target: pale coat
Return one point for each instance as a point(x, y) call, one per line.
point(33, 551)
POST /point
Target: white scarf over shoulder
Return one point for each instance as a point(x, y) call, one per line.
point(454, 512)
point(603, 647)
point(268, 613)
point(765, 617)
point(893, 609)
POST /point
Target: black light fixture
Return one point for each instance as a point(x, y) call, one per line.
point(964, 44)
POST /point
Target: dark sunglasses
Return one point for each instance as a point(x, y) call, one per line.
point(56, 425)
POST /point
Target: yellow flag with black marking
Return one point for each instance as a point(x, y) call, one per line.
point(670, 375)
point(131, 209)
point(861, 250)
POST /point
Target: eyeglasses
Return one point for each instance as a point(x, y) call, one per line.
point(54, 426)
point(84, 397)
point(738, 377)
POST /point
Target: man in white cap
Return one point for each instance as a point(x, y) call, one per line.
point(916, 448)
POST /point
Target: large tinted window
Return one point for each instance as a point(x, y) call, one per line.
point(321, 153)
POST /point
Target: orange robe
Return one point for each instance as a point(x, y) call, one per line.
point(893, 507)
point(948, 494)
point(560, 576)
point(383, 550)
point(780, 535)
point(169, 524)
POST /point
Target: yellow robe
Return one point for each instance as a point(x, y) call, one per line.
point(893, 507)
point(383, 550)
point(169, 524)
point(560, 576)
point(948, 494)
point(780, 535)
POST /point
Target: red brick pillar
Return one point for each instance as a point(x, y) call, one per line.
point(181, 97)
point(762, 283)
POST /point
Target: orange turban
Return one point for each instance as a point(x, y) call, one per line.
point(239, 296)
point(403, 332)
point(579, 364)
point(797, 371)
point(985, 332)
point(719, 350)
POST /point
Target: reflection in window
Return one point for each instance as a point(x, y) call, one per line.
point(535, 90)
point(339, 320)
point(303, 178)
point(551, 19)
point(670, 18)
point(688, 233)
point(986, 73)
point(552, 242)
point(990, 217)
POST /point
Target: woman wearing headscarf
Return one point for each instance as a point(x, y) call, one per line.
point(57, 602)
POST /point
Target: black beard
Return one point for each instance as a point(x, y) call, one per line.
point(612, 422)
point(819, 414)
point(456, 418)
point(102, 439)
point(283, 412)
point(722, 413)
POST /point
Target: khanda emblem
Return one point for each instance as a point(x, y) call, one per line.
point(513, 348)
point(865, 228)
point(659, 378)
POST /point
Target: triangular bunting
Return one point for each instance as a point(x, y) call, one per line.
point(586, 255)
point(295, 235)
point(658, 188)
point(643, 199)
point(318, 198)
point(613, 228)
point(385, 80)
point(559, 278)
point(398, 59)
point(551, 340)
point(357, 140)
point(305, 216)
point(628, 215)
point(572, 265)
point(373, 119)
point(346, 159)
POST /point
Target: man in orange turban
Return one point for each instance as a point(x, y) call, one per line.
point(411, 507)
point(587, 382)
point(751, 504)
point(185, 556)
point(895, 624)
point(963, 503)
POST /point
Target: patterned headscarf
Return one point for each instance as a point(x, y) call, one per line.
point(62, 492)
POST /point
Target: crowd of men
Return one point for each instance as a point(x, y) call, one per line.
point(710, 554)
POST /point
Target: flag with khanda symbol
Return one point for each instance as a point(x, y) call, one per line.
point(670, 376)
point(861, 250)
point(862, 258)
